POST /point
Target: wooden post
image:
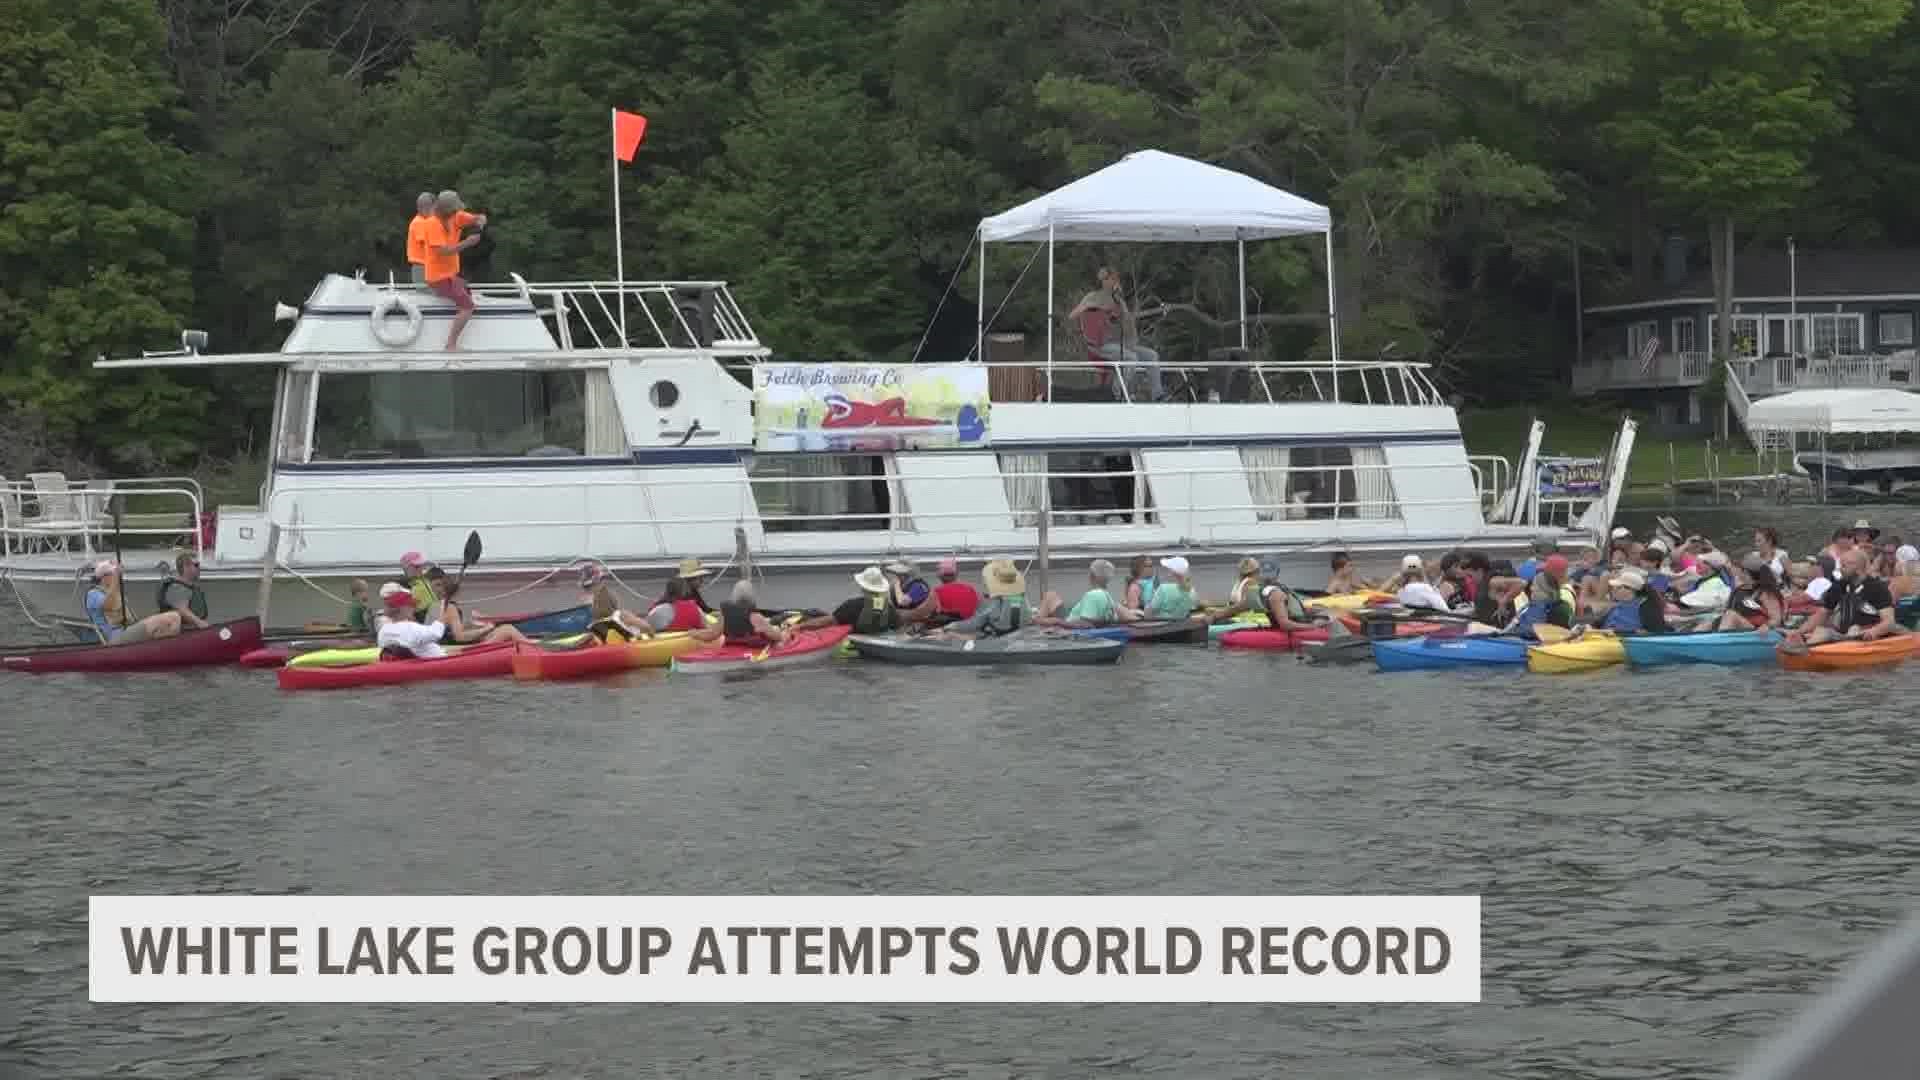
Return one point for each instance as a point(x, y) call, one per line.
point(1673, 478)
point(265, 595)
point(742, 555)
point(1046, 514)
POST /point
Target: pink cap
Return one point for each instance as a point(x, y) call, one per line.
point(949, 567)
point(104, 567)
point(413, 558)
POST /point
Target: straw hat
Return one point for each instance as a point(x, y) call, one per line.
point(901, 567)
point(1861, 526)
point(1002, 578)
point(691, 568)
point(871, 580)
point(1249, 566)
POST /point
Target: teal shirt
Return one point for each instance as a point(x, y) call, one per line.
point(1170, 601)
point(1095, 608)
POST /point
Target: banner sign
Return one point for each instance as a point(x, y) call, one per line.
point(877, 407)
point(1572, 478)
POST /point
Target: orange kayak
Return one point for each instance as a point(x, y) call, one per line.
point(1845, 655)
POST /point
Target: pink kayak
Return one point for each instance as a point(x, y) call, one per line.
point(1261, 638)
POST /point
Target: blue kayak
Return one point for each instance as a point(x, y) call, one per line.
point(1723, 647)
point(1429, 653)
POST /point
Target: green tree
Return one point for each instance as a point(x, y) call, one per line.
point(95, 239)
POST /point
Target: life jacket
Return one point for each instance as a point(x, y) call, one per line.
point(608, 632)
point(196, 600)
point(957, 598)
point(1291, 606)
point(876, 616)
point(1653, 612)
point(687, 615)
point(736, 623)
point(1016, 609)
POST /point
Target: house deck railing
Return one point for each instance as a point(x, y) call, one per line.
point(1760, 377)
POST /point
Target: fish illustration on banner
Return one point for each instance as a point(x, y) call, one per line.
point(875, 407)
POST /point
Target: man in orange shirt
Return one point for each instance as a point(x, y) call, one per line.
point(444, 246)
point(417, 236)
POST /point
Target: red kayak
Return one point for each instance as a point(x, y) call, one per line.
point(807, 646)
point(1262, 638)
point(222, 643)
point(271, 656)
point(474, 662)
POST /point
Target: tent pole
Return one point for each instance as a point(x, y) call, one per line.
point(1049, 311)
point(980, 308)
point(1240, 242)
point(1333, 316)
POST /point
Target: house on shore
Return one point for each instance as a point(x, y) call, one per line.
point(1815, 319)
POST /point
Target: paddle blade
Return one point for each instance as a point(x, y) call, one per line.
point(471, 554)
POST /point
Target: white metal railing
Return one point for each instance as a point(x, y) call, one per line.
point(62, 513)
point(1492, 476)
point(901, 521)
point(1760, 375)
point(634, 314)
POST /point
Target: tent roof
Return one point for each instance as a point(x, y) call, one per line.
point(1837, 412)
point(1150, 196)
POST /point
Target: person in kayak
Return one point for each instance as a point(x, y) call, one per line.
point(106, 609)
point(680, 609)
point(871, 612)
point(462, 632)
point(1543, 548)
point(1756, 602)
point(1711, 587)
point(1344, 578)
point(690, 577)
point(1096, 606)
point(404, 637)
point(1246, 585)
point(953, 598)
point(1858, 607)
point(1766, 544)
point(1173, 600)
point(1285, 610)
point(1416, 591)
point(1140, 583)
point(1545, 601)
point(180, 593)
point(1622, 615)
point(910, 590)
point(414, 568)
point(608, 624)
point(1006, 608)
point(741, 622)
point(358, 619)
point(1905, 580)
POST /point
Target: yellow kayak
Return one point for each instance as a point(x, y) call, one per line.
point(367, 654)
point(1347, 601)
point(531, 662)
point(1589, 652)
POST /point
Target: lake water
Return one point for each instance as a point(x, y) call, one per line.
point(1670, 863)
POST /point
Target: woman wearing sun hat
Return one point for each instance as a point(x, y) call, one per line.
point(1005, 609)
point(107, 610)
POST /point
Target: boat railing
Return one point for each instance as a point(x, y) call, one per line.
point(1334, 497)
point(46, 515)
point(634, 314)
point(1492, 477)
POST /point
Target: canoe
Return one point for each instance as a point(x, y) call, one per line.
point(1024, 647)
point(1429, 653)
point(1591, 651)
point(1847, 655)
point(805, 647)
point(221, 643)
point(589, 661)
point(473, 662)
point(1155, 632)
point(1277, 640)
point(1720, 647)
point(1348, 601)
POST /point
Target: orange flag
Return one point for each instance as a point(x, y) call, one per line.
point(628, 129)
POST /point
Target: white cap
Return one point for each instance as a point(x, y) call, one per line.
point(1907, 553)
point(1411, 562)
point(1175, 563)
point(1621, 532)
point(392, 588)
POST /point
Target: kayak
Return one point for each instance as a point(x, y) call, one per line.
point(1246, 620)
point(1845, 655)
point(1349, 601)
point(222, 643)
point(1590, 651)
point(1722, 647)
point(1156, 632)
point(1351, 649)
point(473, 662)
point(1278, 640)
point(1024, 647)
point(533, 663)
point(1427, 653)
point(571, 620)
point(805, 647)
point(367, 654)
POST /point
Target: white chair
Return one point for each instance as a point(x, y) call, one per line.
point(12, 520)
point(59, 513)
point(93, 501)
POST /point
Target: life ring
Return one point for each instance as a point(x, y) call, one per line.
point(384, 308)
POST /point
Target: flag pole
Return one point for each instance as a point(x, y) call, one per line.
point(619, 249)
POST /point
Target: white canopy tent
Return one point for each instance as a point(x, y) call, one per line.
point(1837, 412)
point(1154, 197)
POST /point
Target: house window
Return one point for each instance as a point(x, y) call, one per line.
point(412, 415)
point(1746, 336)
point(825, 493)
point(1684, 335)
point(1894, 328)
point(1085, 487)
point(1639, 334)
point(1837, 333)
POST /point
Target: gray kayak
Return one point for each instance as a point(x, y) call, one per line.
point(1023, 647)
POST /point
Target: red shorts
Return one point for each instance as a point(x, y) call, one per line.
point(454, 289)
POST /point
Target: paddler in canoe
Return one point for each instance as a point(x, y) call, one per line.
point(1096, 607)
point(608, 624)
point(1858, 607)
point(181, 594)
point(741, 622)
point(106, 609)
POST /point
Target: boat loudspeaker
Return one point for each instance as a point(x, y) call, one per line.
point(193, 342)
point(285, 313)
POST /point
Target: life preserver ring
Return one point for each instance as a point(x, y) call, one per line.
point(383, 332)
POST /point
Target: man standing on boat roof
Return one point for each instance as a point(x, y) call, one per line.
point(417, 236)
point(1109, 328)
point(444, 246)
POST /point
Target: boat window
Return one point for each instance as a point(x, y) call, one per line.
point(1333, 482)
point(1086, 487)
point(295, 388)
point(410, 415)
point(824, 492)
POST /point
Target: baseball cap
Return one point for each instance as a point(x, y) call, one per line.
point(1411, 562)
point(1629, 579)
point(1176, 563)
point(1555, 565)
point(949, 567)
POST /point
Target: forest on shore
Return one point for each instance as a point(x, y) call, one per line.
point(187, 163)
